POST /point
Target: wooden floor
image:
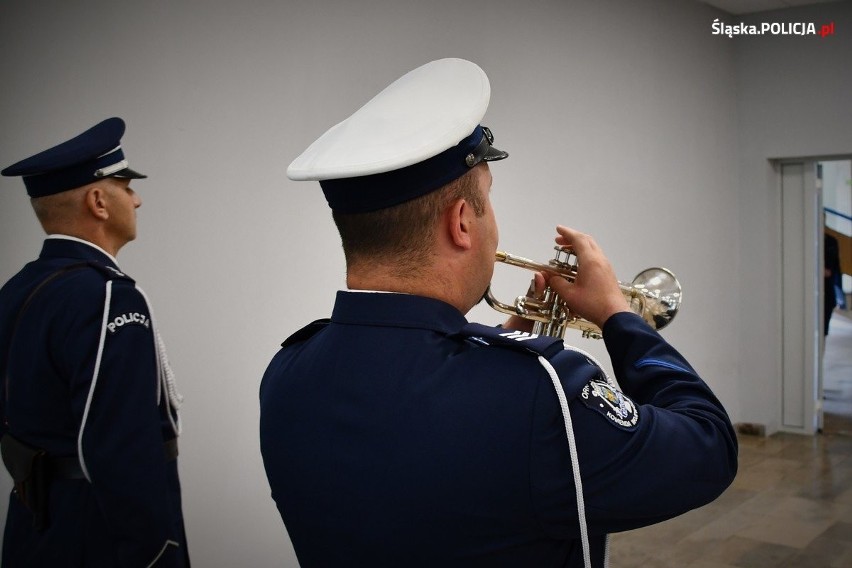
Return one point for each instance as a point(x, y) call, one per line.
point(790, 505)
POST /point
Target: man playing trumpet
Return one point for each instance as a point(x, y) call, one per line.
point(398, 434)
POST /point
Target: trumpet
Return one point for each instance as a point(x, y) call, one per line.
point(655, 294)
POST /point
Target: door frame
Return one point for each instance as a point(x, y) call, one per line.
point(800, 216)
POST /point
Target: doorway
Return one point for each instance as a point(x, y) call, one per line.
point(816, 378)
point(835, 179)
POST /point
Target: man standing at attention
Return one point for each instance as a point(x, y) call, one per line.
point(90, 412)
point(398, 434)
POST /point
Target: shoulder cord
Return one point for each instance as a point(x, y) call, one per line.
point(165, 375)
point(162, 551)
point(613, 382)
point(101, 341)
point(575, 461)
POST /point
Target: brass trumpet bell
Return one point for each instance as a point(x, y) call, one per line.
point(655, 294)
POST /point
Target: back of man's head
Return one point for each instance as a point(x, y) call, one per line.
point(402, 236)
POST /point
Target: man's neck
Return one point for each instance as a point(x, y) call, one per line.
point(427, 284)
point(90, 233)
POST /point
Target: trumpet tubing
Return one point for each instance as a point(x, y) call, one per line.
point(655, 294)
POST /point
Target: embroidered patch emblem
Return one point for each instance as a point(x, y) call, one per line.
point(617, 408)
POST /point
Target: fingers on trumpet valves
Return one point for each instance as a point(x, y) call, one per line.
point(521, 309)
point(537, 285)
point(569, 237)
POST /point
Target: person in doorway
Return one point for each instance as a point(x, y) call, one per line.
point(831, 272)
point(398, 434)
point(89, 407)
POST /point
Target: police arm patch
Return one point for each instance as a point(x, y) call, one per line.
point(611, 403)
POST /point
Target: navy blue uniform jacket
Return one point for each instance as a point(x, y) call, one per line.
point(82, 382)
point(399, 435)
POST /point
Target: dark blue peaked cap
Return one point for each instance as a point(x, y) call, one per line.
point(95, 154)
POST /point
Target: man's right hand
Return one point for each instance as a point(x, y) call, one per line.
point(595, 294)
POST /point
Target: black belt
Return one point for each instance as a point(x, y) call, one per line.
point(69, 468)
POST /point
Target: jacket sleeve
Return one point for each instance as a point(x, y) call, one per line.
point(662, 447)
point(121, 437)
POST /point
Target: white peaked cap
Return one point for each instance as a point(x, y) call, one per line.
point(418, 116)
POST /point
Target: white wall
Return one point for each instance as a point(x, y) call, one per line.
point(621, 119)
point(793, 101)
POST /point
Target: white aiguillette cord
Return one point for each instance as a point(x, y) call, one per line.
point(575, 462)
point(165, 375)
point(572, 447)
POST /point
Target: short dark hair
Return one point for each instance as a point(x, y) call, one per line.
point(403, 233)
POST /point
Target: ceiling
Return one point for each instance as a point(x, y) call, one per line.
point(740, 7)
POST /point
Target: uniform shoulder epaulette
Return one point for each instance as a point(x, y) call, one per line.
point(512, 339)
point(106, 271)
point(306, 332)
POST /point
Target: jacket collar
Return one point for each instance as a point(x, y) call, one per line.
point(396, 310)
point(63, 246)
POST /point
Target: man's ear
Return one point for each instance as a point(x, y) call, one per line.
point(457, 218)
point(96, 202)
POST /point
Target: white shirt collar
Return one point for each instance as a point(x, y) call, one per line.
point(374, 292)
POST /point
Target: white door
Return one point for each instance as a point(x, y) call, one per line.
point(801, 254)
